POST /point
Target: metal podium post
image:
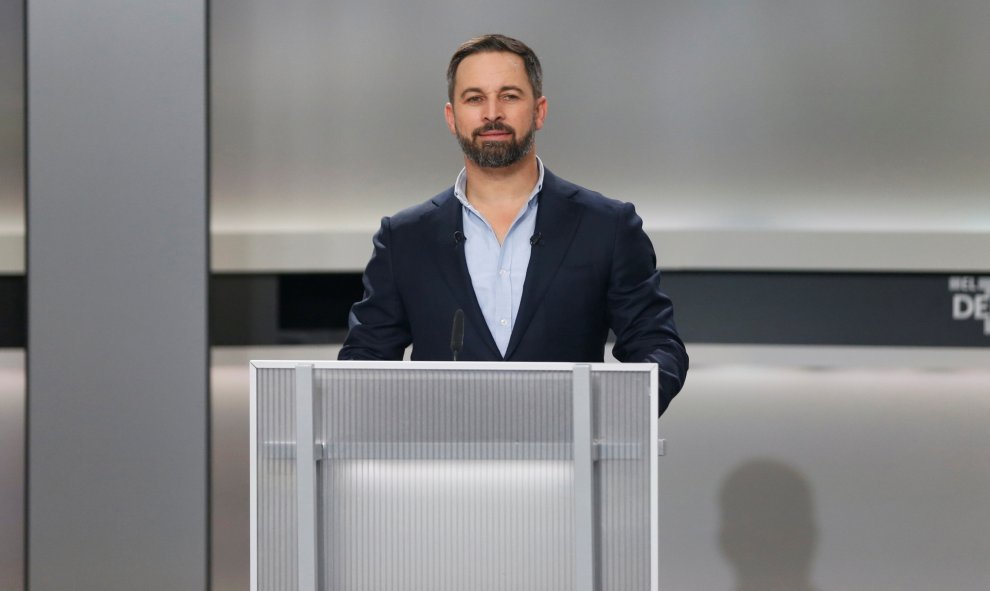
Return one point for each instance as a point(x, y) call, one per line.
point(305, 479)
point(584, 489)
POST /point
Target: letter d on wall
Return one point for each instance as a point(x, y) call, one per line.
point(962, 306)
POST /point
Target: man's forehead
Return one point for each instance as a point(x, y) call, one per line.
point(490, 68)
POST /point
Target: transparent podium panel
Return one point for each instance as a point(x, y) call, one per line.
point(442, 477)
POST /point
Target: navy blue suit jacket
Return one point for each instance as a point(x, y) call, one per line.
point(592, 269)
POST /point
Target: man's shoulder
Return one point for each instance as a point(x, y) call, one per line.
point(422, 211)
point(592, 200)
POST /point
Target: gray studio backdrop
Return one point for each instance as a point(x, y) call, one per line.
point(802, 127)
point(11, 137)
point(712, 116)
point(11, 264)
point(799, 125)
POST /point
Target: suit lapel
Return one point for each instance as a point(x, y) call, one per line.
point(556, 222)
point(449, 257)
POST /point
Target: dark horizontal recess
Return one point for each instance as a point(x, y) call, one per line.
point(782, 308)
point(871, 309)
point(767, 308)
point(13, 311)
point(281, 309)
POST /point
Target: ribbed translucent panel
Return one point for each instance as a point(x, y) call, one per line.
point(276, 488)
point(456, 480)
point(622, 495)
point(444, 481)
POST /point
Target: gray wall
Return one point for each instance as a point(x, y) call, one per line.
point(11, 469)
point(749, 131)
point(117, 238)
point(847, 478)
point(12, 378)
point(11, 136)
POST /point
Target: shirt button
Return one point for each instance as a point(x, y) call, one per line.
point(503, 273)
point(503, 322)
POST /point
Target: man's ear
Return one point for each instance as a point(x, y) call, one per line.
point(448, 114)
point(541, 112)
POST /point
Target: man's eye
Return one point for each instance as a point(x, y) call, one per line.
point(509, 97)
point(474, 99)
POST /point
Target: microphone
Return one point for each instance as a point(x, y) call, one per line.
point(457, 333)
point(459, 237)
point(536, 239)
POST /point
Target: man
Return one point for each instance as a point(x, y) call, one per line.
point(541, 268)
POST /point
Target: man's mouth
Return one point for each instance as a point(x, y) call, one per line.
point(500, 132)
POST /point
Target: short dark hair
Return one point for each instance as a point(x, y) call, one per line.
point(497, 43)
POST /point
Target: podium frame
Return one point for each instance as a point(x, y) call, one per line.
point(586, 451)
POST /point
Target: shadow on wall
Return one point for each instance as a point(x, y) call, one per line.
point(768, 532)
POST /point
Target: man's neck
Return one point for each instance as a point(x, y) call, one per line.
point(495, 187)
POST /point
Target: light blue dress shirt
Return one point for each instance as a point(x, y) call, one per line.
point(498, 271)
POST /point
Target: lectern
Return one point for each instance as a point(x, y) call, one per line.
point(416, 476)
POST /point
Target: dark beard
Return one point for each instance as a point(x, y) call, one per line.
point(496, 154)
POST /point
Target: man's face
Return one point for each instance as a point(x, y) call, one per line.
point(494, 114)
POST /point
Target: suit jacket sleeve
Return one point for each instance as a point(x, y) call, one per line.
point(378, 325)
point(641, 315)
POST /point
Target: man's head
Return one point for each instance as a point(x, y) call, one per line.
point(495, 88)
point(495, 43)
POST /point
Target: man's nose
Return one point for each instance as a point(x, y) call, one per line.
point(493, 111)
